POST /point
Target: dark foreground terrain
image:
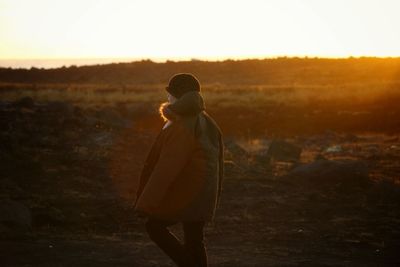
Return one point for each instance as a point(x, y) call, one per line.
point(68, 178)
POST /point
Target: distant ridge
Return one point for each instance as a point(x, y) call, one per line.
point(274, 71)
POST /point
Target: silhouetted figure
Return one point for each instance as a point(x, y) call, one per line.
point(182, 175)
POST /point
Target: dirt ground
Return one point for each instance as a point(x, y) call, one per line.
point(77, 184)
point(261, 222)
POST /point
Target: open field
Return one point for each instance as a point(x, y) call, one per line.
point(312, 172)
point(256, 110)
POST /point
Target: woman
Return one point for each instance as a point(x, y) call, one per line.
point(182, 175)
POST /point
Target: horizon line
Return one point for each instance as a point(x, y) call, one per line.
point(210, 58)
point(26, 63)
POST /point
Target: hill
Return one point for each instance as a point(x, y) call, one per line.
point(277, 71)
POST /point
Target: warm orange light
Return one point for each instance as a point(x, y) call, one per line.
point(181, 29)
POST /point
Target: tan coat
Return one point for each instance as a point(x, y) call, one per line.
point(182, 175)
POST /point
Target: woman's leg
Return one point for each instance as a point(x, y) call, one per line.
point(194, 243)
point(167, 241)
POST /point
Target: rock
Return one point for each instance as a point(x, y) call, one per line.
point(232, 168)
point(262, 157)
point(59, 114)
point(334, 149)
point(237, 153)
point(82, 151)
point(91, 121)
point(60, 107)
point(14, 216)
point(5, 105)
point(351, 138)
point(112, 118)
point(319, 157)
point(102, 139)
point(392, 140)
point(329, 172)
point(372, 150)
point(283, 151)
point(25, 102)
point(322, 140)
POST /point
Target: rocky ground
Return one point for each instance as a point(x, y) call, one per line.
point(69, 173)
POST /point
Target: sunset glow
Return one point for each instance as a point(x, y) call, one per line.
point(198, 29)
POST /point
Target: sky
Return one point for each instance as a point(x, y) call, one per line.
point(205, 29)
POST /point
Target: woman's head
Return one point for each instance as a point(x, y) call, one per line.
point(184, 97)
point(182, 83)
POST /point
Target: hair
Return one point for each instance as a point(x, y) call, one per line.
point(161, 110)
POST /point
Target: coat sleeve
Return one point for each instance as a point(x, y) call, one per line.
point(175, 153)
point(148, 165)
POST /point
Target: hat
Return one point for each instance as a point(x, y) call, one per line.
point(182, 83)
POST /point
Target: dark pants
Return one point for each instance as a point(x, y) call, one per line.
point(191, 253)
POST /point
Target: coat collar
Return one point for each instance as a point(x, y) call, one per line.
point(189, 104)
